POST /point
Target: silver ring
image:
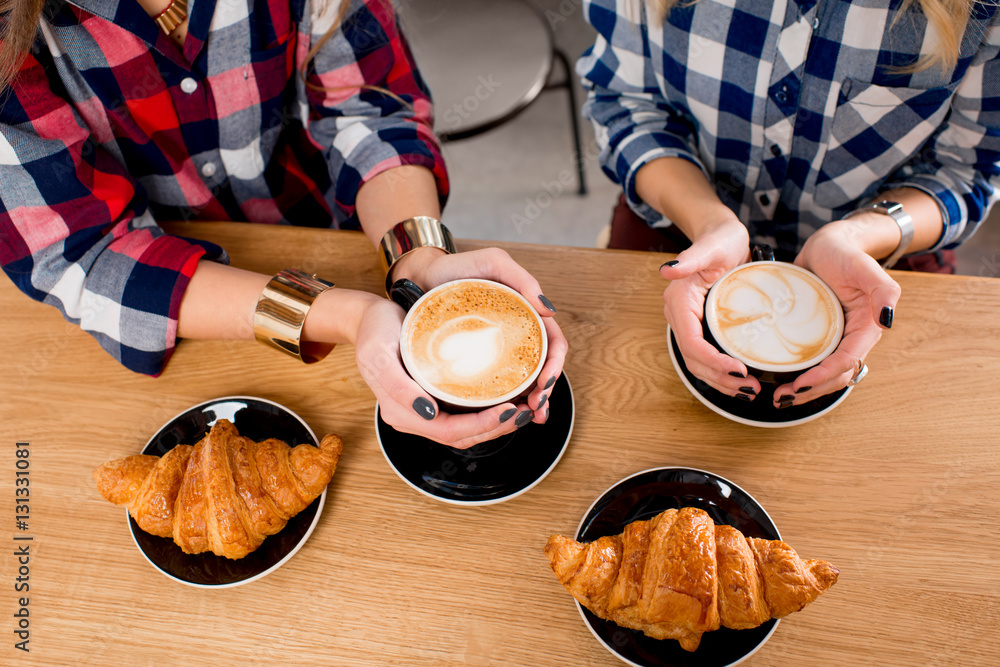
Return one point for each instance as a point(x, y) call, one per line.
point(860, 374)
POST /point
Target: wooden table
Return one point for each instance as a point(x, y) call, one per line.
point(899, 487)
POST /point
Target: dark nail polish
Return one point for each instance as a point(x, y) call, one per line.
point(552, 381)
point(523, 418)
point(671, 263)
point(885, 317)
point(546, 303)
point(748, 390)
point(548, 411)
point(545, 397)
point(782, 406)
point(424, 408)
point(507, 414)
point(802, 390)
point(787, 398)
point(743, 397)
point(737, 375)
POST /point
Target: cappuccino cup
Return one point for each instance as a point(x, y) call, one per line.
point(471, 343)
point(777, 318)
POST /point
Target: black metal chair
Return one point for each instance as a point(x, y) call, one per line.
point(485, 62)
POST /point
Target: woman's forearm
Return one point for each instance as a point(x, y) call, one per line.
point(220, 301)
point(879, 235)
point(396, 195)
point(678, 189)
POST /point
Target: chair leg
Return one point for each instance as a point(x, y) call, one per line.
point(574, 121)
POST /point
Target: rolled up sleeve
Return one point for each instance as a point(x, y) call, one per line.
point(633, 122)
point(960, 166)
point(366, 106)
point(75, 232)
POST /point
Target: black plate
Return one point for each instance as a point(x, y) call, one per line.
point(644, 495)
point(758, 412)
point(489, 472)
point(257, 419)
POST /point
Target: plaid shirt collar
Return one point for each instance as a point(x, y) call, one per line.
point(130, 15)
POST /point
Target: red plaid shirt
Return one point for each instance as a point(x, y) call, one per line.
point(109, 127)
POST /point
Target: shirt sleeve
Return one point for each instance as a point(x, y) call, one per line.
point(633, 122)
point(75, 232)
point(960, 166)
point(364, 102)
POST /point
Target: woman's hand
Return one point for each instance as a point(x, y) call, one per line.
point(836, 254)
point(717, 249)
point(398, 194)
point(429, 268)
point(403, 404)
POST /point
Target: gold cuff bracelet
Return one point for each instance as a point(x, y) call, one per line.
point(406, 236)
point(281, 311)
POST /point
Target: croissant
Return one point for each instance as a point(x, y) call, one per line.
point(679, 575)
point(224, 494)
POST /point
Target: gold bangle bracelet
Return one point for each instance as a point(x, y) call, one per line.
point(281, 312)
point(407, 236)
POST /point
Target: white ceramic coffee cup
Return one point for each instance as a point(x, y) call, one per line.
point(779, 313)
point(448, 401)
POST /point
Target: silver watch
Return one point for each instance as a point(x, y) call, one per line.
point(895, 211)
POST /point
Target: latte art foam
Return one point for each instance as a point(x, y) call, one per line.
point(774, 316)
point(474, 341)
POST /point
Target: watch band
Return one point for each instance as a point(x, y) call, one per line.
point(281, 312)
point(895, 211)
point(419, 232)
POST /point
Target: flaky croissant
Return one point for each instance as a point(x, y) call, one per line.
point(679, 575)
point(225, 494)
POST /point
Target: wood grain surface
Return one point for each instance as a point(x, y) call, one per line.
point(898, 487)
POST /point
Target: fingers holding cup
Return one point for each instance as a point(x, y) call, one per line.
point(552, 368)
point(837, 371)
point(786, 326)
point(683, 307)
point(477, 346)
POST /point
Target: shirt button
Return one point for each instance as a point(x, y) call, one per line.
point(208, 169)
point(189, 85)
point(775, 150)
point(765, 200)
point(816, 24)
point(781, 97)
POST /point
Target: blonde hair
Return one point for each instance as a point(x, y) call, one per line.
point(18, 25)
point(341, 13)
point(947, 17)
point(315, 49)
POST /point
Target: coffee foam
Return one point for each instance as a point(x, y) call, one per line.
point(474, 341)
point(774, 316)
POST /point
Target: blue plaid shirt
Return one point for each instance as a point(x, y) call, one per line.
point(797, 111)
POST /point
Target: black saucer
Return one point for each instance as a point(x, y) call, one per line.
point(758, 412)
point(257, 419)
point(644, 495)
point(490, 472)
